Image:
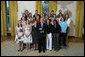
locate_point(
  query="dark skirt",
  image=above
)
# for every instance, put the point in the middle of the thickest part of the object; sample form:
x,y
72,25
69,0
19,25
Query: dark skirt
x,y
35,37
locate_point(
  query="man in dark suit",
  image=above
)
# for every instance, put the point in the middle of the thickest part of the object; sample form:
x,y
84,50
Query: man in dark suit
x,y
26,14
36,14
42,36
60,12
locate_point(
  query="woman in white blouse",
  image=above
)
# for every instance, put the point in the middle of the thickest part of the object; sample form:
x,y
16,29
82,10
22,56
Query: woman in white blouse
x,y
68,20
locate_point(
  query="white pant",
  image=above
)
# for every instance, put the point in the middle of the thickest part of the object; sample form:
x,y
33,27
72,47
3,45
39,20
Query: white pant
x,y
49,41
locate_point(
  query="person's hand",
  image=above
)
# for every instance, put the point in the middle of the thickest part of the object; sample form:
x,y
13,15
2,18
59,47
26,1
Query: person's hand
x,y
27,36
40,28
52,36
20,36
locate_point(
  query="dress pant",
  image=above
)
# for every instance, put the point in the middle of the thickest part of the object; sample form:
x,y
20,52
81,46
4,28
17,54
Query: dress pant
x,y
63,39
49,41
56,41
42,43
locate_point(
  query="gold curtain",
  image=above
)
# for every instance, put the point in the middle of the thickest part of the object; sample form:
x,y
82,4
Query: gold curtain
x,y
79,19
3,19
13,16
53,6
39,7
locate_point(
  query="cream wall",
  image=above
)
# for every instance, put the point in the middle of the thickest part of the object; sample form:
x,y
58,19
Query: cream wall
x,y
71,6
23,5
63,5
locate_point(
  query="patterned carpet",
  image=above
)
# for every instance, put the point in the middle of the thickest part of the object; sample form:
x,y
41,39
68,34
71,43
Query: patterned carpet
x,y
9,48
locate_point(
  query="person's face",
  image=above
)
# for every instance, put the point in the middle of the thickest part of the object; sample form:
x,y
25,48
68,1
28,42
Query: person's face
x,y
35,15
32,19
66,15
46,17
23,14
62,20
49,15
54,22
19,22
27,22
45,11
26,11
52,12
60,15
60,11
30,14
23,18
41,20
54,16
36,12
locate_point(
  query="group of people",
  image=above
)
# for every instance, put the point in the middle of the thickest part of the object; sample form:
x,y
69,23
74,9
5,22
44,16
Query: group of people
x,y
41,30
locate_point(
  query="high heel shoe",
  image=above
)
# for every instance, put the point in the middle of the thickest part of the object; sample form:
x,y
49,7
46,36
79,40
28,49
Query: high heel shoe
x,y
19,49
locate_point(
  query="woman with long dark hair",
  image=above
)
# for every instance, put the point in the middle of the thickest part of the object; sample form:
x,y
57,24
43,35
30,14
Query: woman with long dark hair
x,y
19,35
23,21
49,35
35,35
68,20
56,33
63,25
27,35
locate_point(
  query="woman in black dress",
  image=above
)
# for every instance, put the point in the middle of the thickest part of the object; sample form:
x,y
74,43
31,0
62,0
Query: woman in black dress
x,y
35,35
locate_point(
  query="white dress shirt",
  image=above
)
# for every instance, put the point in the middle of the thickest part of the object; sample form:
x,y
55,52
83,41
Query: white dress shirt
x,y
68,22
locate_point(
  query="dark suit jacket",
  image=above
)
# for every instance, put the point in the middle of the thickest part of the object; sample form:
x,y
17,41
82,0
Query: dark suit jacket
x,y
38,15
49,28
44,28
61,15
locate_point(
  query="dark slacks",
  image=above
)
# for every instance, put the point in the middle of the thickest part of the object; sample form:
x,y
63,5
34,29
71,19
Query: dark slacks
x,y
42,42
63,39
56,41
